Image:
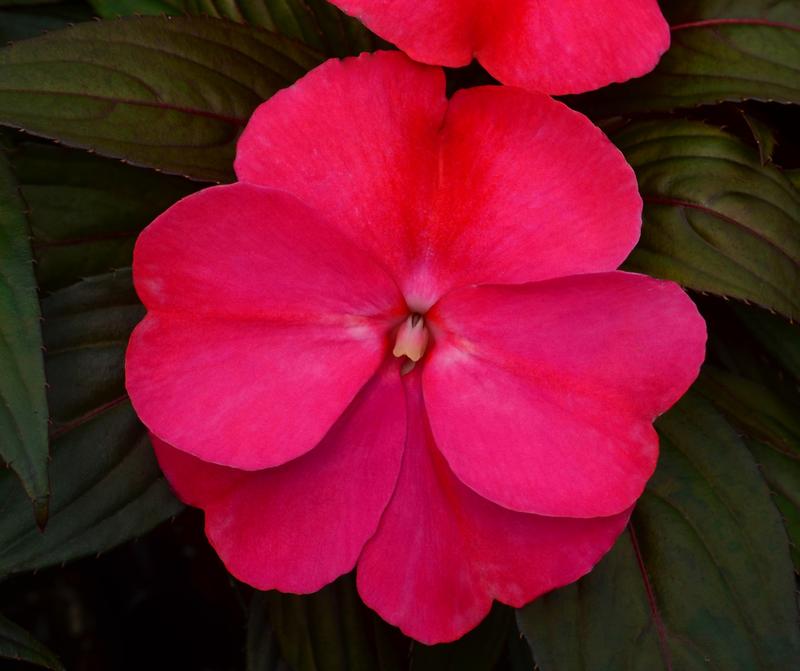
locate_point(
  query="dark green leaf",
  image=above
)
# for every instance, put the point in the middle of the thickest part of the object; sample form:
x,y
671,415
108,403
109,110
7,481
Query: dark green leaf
x,y
84,211
715,219
778,337
107,487
687,11
703,580
791,520
721,50
731,346
781,468
18,644
518,653
754,381
25,3
478,650
111,9
764,137
173,94
19,23
772,426
333,631
23,404
317,23
262,652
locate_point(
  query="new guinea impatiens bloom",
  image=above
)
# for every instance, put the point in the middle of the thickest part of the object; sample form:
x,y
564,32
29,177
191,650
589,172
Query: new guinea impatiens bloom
x,y
554,46
400,342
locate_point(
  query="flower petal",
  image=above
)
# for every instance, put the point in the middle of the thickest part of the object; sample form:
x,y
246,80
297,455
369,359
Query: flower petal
x,y
571,47
299,526
530,190
557,384
442,553
552,47
242,360
244,251
473,194
356,139
440,32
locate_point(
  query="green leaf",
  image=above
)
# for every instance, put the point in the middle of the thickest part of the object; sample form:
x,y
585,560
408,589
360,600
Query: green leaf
x,y
687,11
715,219
23,404
791,520
317,23
721,50
754,381
478,650
172,94
107,487
781,469
24,3
19,23
111,9
764,137
733,347
702,580
85,211
757,410
778,337
772,427
518,652
261,651
333,631
18,644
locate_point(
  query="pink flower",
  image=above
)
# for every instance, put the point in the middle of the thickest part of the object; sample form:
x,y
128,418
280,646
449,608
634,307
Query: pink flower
x,y
376,224
554,46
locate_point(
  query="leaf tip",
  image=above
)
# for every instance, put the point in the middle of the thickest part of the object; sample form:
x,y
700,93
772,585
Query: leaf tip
x,y
41,511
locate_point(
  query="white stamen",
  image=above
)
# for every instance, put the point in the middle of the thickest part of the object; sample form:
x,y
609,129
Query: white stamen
x,y
412,338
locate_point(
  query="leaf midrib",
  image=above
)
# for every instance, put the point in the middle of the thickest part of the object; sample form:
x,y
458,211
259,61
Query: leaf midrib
x,y
192,111
705,23
678,202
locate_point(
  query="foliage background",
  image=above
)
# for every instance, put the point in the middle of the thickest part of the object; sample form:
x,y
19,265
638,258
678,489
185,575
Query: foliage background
x,y
122,117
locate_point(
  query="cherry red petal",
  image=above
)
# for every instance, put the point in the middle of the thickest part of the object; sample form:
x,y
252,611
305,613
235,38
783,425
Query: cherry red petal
x,y
357,140
555,47
244,251
504,186
439,32
541,396
530,190
569,47
442,553
243,359
299,526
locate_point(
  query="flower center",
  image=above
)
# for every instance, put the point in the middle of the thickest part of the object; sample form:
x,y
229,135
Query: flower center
x,y
411,339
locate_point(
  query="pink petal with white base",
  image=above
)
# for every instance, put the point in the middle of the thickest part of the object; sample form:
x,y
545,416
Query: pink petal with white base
x,y
542,396
357,140
552,46
563,47
299,526
446,196
529,190
242,360
442,553
440,32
